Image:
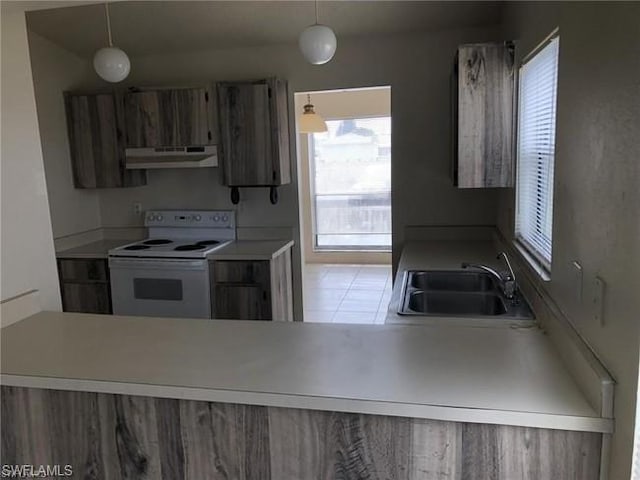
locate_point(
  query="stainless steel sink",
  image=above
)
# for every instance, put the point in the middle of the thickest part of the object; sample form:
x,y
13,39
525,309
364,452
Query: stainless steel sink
x,y
456,303
459,293
464,281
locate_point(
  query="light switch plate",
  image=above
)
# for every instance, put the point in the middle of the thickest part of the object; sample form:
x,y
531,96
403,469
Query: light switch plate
x,y
598,300
576,270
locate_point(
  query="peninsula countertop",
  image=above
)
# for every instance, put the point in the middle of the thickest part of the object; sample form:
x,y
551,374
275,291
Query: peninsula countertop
x,y
251,250
483,375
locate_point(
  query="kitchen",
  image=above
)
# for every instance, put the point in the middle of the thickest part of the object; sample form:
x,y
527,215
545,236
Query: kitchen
x,y
597,203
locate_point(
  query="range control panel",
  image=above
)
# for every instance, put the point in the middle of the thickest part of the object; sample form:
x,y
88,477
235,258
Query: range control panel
x,y
190,218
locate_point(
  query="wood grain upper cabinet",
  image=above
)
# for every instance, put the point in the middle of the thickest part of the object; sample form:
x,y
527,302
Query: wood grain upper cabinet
x,y
254,133
483,102
169,117
95,126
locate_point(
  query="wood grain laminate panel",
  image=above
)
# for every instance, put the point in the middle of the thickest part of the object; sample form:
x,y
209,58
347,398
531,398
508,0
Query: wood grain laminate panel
x,y
485,115
86,297
95,126
280,123
435,450
169,117
329,445
500,452
81,270
131,437
282,288
238,271
241,302
254,132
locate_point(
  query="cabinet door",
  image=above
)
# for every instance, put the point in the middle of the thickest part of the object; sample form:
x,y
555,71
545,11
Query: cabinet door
x,y
241,302
485,115
95,141
86,297
246,134
172,117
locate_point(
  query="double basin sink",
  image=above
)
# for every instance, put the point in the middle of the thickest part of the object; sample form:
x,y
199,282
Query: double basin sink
x,y
459,294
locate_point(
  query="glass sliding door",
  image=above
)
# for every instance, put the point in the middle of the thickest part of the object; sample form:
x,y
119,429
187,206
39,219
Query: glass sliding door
x,y
351,185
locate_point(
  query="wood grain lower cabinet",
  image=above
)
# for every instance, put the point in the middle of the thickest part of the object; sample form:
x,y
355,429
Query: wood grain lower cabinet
x,y
95,125
252,290
483,111
106,436
84,285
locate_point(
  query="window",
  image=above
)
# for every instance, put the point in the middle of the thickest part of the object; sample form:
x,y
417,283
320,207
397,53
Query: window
x,y
351,184
536,152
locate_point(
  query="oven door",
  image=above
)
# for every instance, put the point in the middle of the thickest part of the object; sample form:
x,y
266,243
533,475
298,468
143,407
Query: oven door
x,y
160,287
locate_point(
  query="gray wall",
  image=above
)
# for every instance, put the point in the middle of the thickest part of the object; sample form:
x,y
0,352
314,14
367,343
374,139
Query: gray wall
x,y
597,182
54,71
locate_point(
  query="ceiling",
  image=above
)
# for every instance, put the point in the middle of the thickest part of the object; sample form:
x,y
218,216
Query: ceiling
x,y
149,27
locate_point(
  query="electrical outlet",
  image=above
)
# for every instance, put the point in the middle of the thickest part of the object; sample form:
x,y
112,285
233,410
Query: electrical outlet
x,y
137,208
597,301
576,269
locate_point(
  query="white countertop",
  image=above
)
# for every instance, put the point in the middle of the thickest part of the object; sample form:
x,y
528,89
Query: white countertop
x,y
98,249
251,250
484,375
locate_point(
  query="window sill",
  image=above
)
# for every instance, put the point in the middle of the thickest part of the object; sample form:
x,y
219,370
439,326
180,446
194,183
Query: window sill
x,y
541,270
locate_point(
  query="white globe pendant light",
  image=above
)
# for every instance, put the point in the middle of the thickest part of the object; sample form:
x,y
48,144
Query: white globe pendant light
x,y
318,42
111,63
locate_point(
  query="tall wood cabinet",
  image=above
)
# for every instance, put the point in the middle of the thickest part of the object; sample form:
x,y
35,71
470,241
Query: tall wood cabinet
x,y
483,113
95,124
169,117
254,133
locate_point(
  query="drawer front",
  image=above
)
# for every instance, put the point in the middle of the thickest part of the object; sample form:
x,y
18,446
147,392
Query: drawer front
x,y
86,297
81,270
241,272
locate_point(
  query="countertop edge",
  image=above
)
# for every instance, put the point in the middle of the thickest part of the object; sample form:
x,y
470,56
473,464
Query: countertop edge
x,y
349,405
230,255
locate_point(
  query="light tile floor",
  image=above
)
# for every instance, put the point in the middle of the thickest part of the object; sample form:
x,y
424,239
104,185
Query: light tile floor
x,y
346,293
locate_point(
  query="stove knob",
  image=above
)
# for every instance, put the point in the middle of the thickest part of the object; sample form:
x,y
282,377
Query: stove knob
x,y
225,218
197,218
151,218
216,218
159,218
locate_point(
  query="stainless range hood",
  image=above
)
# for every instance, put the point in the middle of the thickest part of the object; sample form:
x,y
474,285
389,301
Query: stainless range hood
x,y
172,157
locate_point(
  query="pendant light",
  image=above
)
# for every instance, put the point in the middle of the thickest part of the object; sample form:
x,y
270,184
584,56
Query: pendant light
x,y
318,42
111,63
310,121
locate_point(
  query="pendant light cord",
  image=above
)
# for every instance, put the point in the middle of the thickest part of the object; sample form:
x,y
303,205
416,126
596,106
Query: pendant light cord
x,y
316,4
106,9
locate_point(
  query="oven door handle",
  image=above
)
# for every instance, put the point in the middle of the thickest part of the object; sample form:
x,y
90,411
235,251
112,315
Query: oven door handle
x,y
157,264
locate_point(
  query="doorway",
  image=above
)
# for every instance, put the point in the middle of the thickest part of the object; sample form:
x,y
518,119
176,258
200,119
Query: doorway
x,y
345,205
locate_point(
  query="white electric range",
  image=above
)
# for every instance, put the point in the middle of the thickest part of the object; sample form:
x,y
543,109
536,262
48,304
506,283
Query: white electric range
x,y
167,274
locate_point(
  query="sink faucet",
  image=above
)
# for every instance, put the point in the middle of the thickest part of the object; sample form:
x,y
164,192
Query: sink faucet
x,y
506,280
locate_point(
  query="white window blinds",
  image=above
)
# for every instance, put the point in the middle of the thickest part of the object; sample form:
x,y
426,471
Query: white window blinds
x,y
536,152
